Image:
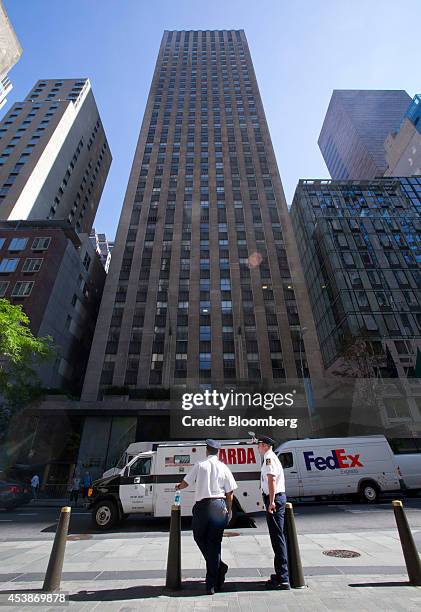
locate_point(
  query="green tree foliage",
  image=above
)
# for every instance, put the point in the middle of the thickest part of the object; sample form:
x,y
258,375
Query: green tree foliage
x,y
20,352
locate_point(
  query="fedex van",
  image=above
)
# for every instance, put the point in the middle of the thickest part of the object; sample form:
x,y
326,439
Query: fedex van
x,y
143,483
363,466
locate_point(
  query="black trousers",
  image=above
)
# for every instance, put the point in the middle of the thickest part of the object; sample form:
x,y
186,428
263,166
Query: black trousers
x,y
275,523
210,517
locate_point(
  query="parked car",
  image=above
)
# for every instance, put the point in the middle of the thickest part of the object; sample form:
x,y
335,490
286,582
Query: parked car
x,y
14,494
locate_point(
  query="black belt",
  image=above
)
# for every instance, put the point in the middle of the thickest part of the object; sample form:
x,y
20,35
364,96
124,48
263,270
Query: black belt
x,y
208,499
267,494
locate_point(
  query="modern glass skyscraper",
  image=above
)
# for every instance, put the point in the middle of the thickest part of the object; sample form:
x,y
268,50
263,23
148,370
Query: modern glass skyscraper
x,y
357,122
361,257
205,282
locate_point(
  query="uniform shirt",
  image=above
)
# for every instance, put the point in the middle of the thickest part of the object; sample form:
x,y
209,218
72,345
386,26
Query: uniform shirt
x,y
272,465
212,477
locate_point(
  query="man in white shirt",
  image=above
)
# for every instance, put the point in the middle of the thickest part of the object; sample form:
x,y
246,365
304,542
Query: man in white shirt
x,y
273,491
213,496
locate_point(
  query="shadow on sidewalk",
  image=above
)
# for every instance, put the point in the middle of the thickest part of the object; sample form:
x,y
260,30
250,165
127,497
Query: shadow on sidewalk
x,y
191,588
380,584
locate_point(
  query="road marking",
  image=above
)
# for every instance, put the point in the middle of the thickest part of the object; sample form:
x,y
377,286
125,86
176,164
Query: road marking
x,y
28,514
5,520
73,513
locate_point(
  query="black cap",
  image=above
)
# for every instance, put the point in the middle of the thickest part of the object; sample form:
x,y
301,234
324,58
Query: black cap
x,y
266,440
213,444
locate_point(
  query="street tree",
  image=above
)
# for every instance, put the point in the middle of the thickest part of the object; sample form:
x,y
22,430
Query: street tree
x,y
20,353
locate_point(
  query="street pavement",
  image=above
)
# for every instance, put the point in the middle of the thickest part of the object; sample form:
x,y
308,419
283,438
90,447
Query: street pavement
x,y
125,570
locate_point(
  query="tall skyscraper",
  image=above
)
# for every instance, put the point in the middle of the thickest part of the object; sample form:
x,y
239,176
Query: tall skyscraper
x,y
403,148
354,130
205,282
54,155
361,255
10,52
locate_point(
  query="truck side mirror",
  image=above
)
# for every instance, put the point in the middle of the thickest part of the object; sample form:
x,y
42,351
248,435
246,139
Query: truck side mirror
x,y
126,471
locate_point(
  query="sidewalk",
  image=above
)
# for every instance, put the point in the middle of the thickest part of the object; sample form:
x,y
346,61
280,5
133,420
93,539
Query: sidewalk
x,y
126,572
46,502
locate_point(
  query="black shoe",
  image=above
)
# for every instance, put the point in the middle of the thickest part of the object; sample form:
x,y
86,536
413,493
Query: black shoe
x,y
210,591
223,568
273,585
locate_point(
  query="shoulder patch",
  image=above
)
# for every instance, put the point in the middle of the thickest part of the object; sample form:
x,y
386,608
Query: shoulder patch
x,y
268,461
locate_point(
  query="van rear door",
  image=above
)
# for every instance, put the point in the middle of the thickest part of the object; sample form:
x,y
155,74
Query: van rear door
x,y
293,483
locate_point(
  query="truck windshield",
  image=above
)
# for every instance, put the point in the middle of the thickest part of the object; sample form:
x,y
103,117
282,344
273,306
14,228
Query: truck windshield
x,y
122,461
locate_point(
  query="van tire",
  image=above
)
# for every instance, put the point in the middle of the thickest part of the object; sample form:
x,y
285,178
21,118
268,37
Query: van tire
x,y
105,514
369,492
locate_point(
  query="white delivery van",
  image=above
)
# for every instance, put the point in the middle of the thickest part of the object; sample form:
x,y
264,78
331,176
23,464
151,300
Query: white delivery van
x,y
145,485
363,466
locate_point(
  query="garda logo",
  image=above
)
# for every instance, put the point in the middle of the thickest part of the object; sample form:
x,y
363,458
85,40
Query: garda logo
x,y
237,455
337,460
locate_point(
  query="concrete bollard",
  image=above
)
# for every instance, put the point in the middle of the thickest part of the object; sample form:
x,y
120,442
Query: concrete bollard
x,y
295,568
55,564
173,580
410,553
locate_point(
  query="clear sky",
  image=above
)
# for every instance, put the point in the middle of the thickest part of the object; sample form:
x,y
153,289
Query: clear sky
x,y
301,49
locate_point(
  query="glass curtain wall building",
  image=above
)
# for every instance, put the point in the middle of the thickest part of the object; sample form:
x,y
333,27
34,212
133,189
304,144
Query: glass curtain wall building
x,y
361,255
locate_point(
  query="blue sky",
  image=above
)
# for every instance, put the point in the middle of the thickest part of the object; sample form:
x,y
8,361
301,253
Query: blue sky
x,y
301,52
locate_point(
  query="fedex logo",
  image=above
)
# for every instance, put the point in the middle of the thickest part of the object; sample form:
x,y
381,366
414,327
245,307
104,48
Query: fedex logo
x,y
338,459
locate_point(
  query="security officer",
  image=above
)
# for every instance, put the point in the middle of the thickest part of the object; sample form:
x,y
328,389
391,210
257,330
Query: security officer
x,y
214,492
273,490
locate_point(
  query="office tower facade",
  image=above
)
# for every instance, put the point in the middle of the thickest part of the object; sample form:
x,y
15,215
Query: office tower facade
x,y
205,282
354,130
10,52
57,277
361,255
403,148
54,155
102,246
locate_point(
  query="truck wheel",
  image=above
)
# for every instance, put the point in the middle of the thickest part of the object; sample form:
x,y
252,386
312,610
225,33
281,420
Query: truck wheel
x,y
105,515
369,492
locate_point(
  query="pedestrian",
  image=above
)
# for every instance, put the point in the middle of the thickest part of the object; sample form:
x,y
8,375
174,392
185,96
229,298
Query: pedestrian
x,y
87,483
273,491
74,492
211,512
35,485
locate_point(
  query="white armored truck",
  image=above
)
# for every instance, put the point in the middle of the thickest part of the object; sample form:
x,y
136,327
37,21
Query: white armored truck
x,y
144,480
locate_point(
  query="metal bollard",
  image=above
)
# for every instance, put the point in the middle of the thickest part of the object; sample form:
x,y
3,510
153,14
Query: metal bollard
x,y
55,564
295,569
173,580
412,558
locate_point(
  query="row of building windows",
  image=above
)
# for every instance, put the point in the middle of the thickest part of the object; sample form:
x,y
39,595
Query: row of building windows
x,y
8,265
20,289
19,244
